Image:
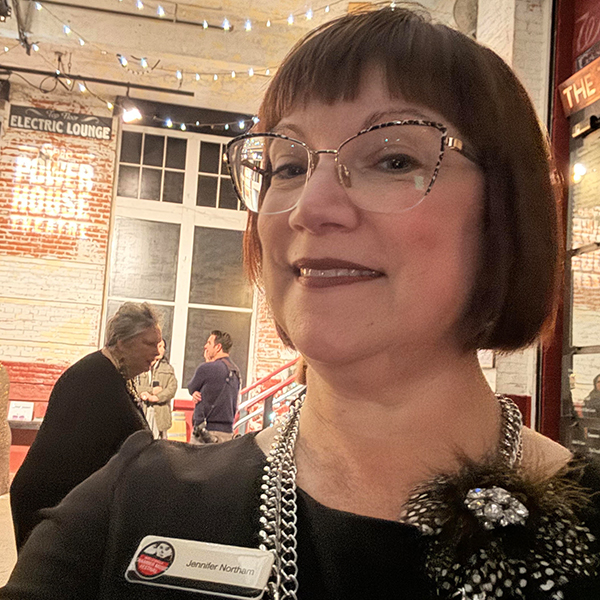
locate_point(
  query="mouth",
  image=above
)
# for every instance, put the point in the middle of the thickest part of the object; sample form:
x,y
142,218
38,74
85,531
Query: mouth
x,y
327,272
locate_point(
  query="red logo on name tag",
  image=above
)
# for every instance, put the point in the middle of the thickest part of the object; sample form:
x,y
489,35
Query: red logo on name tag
x,y
155,559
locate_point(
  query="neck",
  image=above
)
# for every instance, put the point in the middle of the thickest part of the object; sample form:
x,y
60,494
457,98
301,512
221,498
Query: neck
x,y
219,355
377,430
114,359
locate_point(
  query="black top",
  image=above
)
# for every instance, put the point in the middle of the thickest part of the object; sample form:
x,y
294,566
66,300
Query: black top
x,y
211,493
90,414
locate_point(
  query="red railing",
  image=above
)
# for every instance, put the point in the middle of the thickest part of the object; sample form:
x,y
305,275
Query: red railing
x,y
269,376
250,416
247,418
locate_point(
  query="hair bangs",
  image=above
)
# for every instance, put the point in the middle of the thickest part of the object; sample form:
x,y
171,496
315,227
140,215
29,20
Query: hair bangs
x,y
416,58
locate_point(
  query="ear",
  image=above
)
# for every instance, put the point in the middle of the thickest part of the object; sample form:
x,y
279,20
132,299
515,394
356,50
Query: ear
x,y
218,347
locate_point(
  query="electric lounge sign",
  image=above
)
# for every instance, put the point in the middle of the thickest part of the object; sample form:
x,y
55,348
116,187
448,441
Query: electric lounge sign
x,y
52,189
61,122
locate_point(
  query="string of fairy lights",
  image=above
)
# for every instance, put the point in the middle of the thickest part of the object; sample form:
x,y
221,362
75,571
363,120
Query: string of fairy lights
x,y
143,65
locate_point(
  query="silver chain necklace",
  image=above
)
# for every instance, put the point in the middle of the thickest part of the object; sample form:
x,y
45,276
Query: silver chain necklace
x,y
278,507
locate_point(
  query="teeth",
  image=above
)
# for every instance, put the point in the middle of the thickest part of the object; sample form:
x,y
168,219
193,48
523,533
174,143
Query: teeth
x,y
337,273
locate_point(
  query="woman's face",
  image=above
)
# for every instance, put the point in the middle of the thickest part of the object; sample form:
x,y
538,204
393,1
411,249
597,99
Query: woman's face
x,y
140,351
425,258
161,349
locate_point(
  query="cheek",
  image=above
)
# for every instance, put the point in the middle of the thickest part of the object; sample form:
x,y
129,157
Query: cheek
x,y
440,245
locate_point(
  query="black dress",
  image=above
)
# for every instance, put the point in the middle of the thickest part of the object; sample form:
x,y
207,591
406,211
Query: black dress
x,y
211,493
90,414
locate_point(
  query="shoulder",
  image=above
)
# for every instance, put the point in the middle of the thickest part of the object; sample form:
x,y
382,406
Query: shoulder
x,y
94,362
543,456
169,465
165,367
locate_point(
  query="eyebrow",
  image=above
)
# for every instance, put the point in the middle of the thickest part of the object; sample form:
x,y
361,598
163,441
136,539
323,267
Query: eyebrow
x,y
373,119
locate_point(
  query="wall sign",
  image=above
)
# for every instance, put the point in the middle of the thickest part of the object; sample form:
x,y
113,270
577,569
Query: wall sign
x,y
587,27
582,89
52,190
65,123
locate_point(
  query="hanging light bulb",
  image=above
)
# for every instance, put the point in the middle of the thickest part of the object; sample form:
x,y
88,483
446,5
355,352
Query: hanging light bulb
x,y
226,25
215,77
66,29
38,6
309,14
579,172
248,25
205,24
197,76
69,82
82,88
122,60
169,123
182,127
110,105
242,124
255,120
160,11
226,126
139,4
81,42
34,47
268,72
250,72
269,23
232,74
143,63
290,19
327,8
197,123
179,75
6,48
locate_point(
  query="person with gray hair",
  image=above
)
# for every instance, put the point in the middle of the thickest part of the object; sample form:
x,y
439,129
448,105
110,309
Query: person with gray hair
x,y
93,409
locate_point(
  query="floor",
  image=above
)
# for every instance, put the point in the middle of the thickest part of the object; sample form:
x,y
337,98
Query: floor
x,y
8,551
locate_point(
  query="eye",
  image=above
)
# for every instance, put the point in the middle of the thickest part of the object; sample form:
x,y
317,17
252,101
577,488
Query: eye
x,y
289,170
398,163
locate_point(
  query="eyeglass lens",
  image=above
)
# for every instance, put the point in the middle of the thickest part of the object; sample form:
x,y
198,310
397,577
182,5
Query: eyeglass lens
x,y
384,170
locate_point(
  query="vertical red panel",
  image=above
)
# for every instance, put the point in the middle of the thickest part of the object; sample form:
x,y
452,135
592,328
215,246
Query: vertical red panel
x,y
551,358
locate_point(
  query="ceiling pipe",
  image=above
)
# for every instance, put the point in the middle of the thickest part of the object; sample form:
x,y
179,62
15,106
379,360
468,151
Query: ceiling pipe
x,y
122,84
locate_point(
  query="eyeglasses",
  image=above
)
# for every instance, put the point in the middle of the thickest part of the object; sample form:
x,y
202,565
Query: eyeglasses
x,y
386,168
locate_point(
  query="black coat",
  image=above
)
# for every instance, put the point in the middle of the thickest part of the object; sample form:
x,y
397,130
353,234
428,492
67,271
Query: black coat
x,y
212,493
90,414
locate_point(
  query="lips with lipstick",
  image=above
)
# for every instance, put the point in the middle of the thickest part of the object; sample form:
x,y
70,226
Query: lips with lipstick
x,y
328,272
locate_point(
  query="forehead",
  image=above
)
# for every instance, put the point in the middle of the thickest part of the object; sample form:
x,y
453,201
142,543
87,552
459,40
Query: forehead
x,y
372,105
152,334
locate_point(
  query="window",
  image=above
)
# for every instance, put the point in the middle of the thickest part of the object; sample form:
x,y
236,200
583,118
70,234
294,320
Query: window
x,y
580,414
214,183
178,245
152,167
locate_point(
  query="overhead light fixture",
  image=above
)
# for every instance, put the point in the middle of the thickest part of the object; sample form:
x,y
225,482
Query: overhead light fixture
x,y
131,112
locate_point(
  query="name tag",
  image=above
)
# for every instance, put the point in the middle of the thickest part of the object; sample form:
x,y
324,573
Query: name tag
x,y
227,571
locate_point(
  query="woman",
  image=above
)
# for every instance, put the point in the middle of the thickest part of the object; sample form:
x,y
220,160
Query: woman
x,y
156,388
591,403
429,233
93,408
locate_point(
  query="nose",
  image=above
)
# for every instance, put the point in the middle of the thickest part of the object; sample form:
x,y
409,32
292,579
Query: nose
x,y
324,205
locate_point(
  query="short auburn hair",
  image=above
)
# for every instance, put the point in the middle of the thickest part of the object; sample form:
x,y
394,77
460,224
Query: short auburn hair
x,y
515,289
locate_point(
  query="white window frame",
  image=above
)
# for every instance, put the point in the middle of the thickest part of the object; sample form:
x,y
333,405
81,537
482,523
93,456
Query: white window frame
x,y
188,216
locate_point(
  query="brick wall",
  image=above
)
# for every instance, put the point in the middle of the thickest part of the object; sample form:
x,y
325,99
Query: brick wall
x,y
269,352
55,206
